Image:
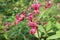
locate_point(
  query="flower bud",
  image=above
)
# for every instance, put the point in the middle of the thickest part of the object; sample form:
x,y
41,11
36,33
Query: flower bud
x,y
33,30
30,16
35,6
32,24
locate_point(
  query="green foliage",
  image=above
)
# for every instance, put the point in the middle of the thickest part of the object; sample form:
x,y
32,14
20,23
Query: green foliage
x,y
8,10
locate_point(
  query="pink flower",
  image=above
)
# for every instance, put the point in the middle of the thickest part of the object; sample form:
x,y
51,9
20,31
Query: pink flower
x,y
35,6
33,30
16,22
32,24
21,19
36,12
30,17
48,5
17,16
23,14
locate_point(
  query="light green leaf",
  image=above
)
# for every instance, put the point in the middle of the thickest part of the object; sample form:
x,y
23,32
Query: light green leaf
x,y
48,27
41,28
36,34
58,25
58,32
6,36
54,36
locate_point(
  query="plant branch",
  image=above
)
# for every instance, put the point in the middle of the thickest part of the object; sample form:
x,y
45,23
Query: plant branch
x,y
38,34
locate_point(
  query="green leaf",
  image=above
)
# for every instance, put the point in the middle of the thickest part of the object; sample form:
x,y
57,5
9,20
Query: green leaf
x,y
58,32
58,25
54,36
36,34
40,28
48,27
6,36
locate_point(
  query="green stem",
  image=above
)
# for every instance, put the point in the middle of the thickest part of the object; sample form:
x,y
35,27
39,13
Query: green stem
x,y
46,35
38,34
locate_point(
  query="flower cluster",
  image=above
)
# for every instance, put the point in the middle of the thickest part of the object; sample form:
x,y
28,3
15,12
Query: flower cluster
x,y
32,20
19,18
48,5
33,26
31,17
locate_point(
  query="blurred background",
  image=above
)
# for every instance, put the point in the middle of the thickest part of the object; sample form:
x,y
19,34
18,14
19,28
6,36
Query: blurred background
x,y
8,10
